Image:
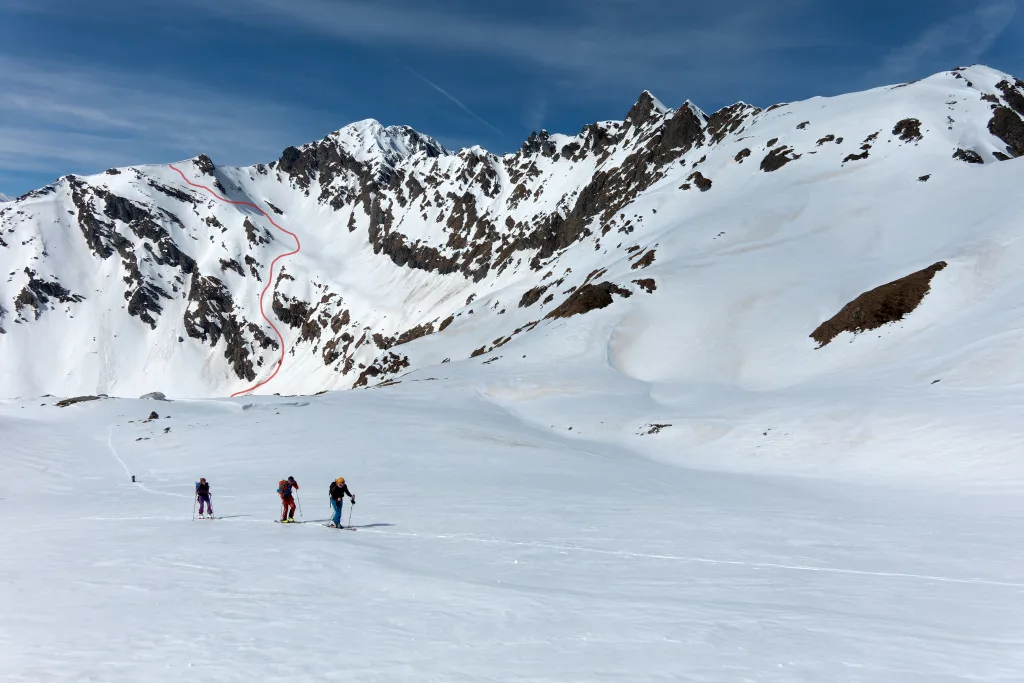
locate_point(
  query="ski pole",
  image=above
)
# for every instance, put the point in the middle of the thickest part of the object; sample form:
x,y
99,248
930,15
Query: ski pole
x,y
195,501
351,505
299,501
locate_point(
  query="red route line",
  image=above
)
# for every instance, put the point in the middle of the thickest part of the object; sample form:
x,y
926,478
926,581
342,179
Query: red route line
x,y
270,279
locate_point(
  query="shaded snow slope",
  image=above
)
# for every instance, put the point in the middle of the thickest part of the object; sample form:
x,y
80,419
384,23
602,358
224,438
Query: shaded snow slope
x,y
490,547
712,245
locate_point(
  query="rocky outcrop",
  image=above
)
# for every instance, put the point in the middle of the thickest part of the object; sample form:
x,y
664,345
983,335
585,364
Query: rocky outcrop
x,y
880,306
588,298
210,316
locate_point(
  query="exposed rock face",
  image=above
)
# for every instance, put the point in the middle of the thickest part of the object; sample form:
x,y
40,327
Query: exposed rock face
x,y
406,217
777,158
38,294
908,130
588,298
1009,128
882,305
211,316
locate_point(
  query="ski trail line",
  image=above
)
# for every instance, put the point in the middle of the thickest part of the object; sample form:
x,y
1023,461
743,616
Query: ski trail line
x,y
270,277
703,560
128,473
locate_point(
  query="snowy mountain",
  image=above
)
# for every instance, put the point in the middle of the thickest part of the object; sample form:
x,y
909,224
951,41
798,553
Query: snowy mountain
x,y
723,248
683,397
5,198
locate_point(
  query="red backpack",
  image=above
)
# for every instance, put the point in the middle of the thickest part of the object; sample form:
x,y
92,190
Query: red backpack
x,y
284,488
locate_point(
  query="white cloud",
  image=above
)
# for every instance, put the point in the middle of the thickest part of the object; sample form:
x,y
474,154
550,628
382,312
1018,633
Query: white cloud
x,y
82,120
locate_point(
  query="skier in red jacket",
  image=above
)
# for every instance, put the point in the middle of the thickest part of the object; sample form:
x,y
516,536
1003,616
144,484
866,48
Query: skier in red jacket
x,y
284,487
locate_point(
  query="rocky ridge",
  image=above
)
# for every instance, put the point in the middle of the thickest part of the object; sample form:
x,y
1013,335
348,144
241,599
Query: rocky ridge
x,y
401,236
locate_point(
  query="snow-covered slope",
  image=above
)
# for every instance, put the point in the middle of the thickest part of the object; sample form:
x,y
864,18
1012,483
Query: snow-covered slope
x,y
488,549
727,397
5,198
717,245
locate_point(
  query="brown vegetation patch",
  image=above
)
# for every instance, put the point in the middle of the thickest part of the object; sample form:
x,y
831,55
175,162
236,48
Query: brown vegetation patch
x,y
880,306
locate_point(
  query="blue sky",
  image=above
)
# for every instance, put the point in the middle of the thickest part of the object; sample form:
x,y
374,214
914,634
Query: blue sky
x,y
89,85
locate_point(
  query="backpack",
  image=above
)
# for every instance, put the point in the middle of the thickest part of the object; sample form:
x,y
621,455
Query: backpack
x,y
284,488
202,489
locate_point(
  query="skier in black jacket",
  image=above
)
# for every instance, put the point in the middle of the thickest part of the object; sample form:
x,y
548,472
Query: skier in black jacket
x,y
338,491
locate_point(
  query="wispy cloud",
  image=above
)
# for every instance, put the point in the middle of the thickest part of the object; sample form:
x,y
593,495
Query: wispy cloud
x,y
597,43
963,38
450,97
83,120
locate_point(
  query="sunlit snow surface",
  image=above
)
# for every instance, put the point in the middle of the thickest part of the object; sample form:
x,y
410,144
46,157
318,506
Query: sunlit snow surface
x,y
496,544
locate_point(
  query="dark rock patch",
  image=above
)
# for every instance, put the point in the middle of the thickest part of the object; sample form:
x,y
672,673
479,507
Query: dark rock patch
x,y
205,165
886,304
387,365
231,264
827,138
857,157
414,333
803,125
171,192
1009,128
644,261
210,315
1013,95
532,296
778,158
924,178
742,154
445,323
38,293
588,298
702,183
968,156
646,284
908,130
77,399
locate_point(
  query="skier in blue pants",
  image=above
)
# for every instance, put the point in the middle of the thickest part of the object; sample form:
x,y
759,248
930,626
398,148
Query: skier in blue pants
x,y
338,491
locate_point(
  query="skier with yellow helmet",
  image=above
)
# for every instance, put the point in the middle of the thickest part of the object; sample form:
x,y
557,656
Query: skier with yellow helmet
x,y
338,491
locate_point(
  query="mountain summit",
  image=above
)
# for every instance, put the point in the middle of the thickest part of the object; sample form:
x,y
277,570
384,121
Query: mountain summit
x,y
729,249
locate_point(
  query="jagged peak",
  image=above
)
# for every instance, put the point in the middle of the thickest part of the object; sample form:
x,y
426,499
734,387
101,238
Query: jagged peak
x,y
647,108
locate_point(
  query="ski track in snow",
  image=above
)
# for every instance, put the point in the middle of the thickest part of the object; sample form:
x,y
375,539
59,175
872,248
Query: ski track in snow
x,y
270,277
599,551
128,473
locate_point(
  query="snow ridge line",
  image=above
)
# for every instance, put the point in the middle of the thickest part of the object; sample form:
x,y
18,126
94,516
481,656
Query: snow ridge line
x,y
270,278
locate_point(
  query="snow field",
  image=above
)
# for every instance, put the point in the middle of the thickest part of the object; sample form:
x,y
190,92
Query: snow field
x,y
491,547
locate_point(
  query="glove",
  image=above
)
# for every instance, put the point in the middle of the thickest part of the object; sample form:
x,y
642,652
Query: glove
x,y
353,501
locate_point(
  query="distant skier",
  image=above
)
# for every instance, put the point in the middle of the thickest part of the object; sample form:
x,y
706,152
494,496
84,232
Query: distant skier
x,y
338,491
284,487
133,478
203,496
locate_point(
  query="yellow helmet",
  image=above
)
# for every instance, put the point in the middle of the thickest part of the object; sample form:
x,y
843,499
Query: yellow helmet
x,y
339,481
